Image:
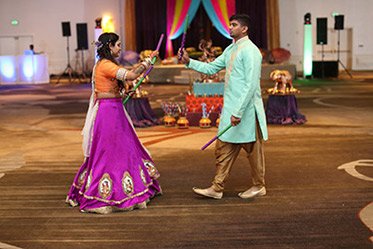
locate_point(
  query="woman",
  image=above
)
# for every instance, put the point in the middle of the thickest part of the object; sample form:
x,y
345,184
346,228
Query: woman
x,y
118,173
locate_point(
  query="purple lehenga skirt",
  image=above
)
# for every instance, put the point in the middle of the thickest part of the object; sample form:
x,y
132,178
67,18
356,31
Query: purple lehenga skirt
x,y
119,174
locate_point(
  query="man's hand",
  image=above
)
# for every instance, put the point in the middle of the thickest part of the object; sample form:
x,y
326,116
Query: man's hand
x,y
185,58
235,121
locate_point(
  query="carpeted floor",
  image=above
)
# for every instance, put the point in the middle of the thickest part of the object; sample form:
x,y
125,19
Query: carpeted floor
x,y
310,202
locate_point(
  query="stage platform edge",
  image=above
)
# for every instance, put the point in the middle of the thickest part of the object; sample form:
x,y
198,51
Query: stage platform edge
x,y
178,74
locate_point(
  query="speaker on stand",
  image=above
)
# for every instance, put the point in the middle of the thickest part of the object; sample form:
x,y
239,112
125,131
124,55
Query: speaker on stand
x,y
338,25
66,32
82,41
322,39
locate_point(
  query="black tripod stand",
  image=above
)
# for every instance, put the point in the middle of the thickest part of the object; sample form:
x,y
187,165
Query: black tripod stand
x,y
83,75
322,61
83,69
68,70
339,61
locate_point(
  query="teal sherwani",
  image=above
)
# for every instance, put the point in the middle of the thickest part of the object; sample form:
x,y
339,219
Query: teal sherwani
x,y
242,95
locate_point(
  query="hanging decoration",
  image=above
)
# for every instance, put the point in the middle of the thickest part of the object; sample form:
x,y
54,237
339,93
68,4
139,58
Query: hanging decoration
x,y
177,10
218,11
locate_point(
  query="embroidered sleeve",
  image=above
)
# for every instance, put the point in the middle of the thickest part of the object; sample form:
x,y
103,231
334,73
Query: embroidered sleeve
x,y
121,74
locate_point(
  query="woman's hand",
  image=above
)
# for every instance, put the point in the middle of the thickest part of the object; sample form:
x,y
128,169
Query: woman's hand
x,y
155,53
138,70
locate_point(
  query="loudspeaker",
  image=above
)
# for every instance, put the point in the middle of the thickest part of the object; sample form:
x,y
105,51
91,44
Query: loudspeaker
x,y
330,69
66,29
307,18
82,36
338,22
322,31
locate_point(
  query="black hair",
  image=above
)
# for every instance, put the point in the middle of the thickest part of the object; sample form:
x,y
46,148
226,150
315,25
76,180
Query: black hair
x,y
243,19
104,52
103,49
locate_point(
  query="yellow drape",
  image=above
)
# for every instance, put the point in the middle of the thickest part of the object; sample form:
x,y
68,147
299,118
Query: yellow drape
x,y
273,24
130,25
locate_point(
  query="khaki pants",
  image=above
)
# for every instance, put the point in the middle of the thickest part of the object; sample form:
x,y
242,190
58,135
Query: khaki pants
x,y
226,154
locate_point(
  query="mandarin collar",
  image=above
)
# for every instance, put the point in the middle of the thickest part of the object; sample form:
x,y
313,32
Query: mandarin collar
x,y
243,39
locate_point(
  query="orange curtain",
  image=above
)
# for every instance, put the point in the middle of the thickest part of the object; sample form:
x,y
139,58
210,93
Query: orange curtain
x,y
273,24
130,25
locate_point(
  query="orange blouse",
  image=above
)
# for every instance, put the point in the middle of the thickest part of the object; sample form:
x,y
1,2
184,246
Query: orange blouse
x,y
107,75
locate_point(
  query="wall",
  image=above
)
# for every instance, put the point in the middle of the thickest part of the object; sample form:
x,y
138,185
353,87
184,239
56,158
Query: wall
x,y
42,19
356,40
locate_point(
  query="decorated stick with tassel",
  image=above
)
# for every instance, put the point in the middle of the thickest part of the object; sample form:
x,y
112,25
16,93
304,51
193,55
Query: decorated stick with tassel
x,y
216,137
183,39
147,72
211,109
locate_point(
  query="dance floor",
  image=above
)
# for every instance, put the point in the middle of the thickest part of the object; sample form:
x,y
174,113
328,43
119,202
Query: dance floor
x,y
319,175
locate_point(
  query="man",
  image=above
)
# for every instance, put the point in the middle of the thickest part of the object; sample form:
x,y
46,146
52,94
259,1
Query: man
x,y
243,108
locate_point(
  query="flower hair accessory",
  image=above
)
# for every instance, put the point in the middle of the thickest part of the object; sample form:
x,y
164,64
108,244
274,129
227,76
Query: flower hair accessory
x,y
97,44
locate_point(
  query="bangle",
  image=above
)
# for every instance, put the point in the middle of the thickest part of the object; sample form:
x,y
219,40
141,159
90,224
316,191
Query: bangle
x,y
148,60
145,64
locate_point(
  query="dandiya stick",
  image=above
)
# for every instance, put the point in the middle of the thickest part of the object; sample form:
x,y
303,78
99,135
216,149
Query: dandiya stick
x,y
160,42
221,133
212,108
184,35
147,72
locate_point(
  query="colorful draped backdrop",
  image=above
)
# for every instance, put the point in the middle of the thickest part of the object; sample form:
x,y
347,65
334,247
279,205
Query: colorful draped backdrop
x,y
218,11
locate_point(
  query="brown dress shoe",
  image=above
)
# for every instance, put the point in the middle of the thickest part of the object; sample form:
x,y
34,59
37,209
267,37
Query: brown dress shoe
x,y
208,192
253,192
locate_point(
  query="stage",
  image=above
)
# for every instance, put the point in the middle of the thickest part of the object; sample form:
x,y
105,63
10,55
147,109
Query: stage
x,y
178,74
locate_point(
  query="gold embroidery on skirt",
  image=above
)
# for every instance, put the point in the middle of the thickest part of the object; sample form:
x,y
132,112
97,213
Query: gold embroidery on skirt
x,y
142,175
152,170
105,186
127,183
